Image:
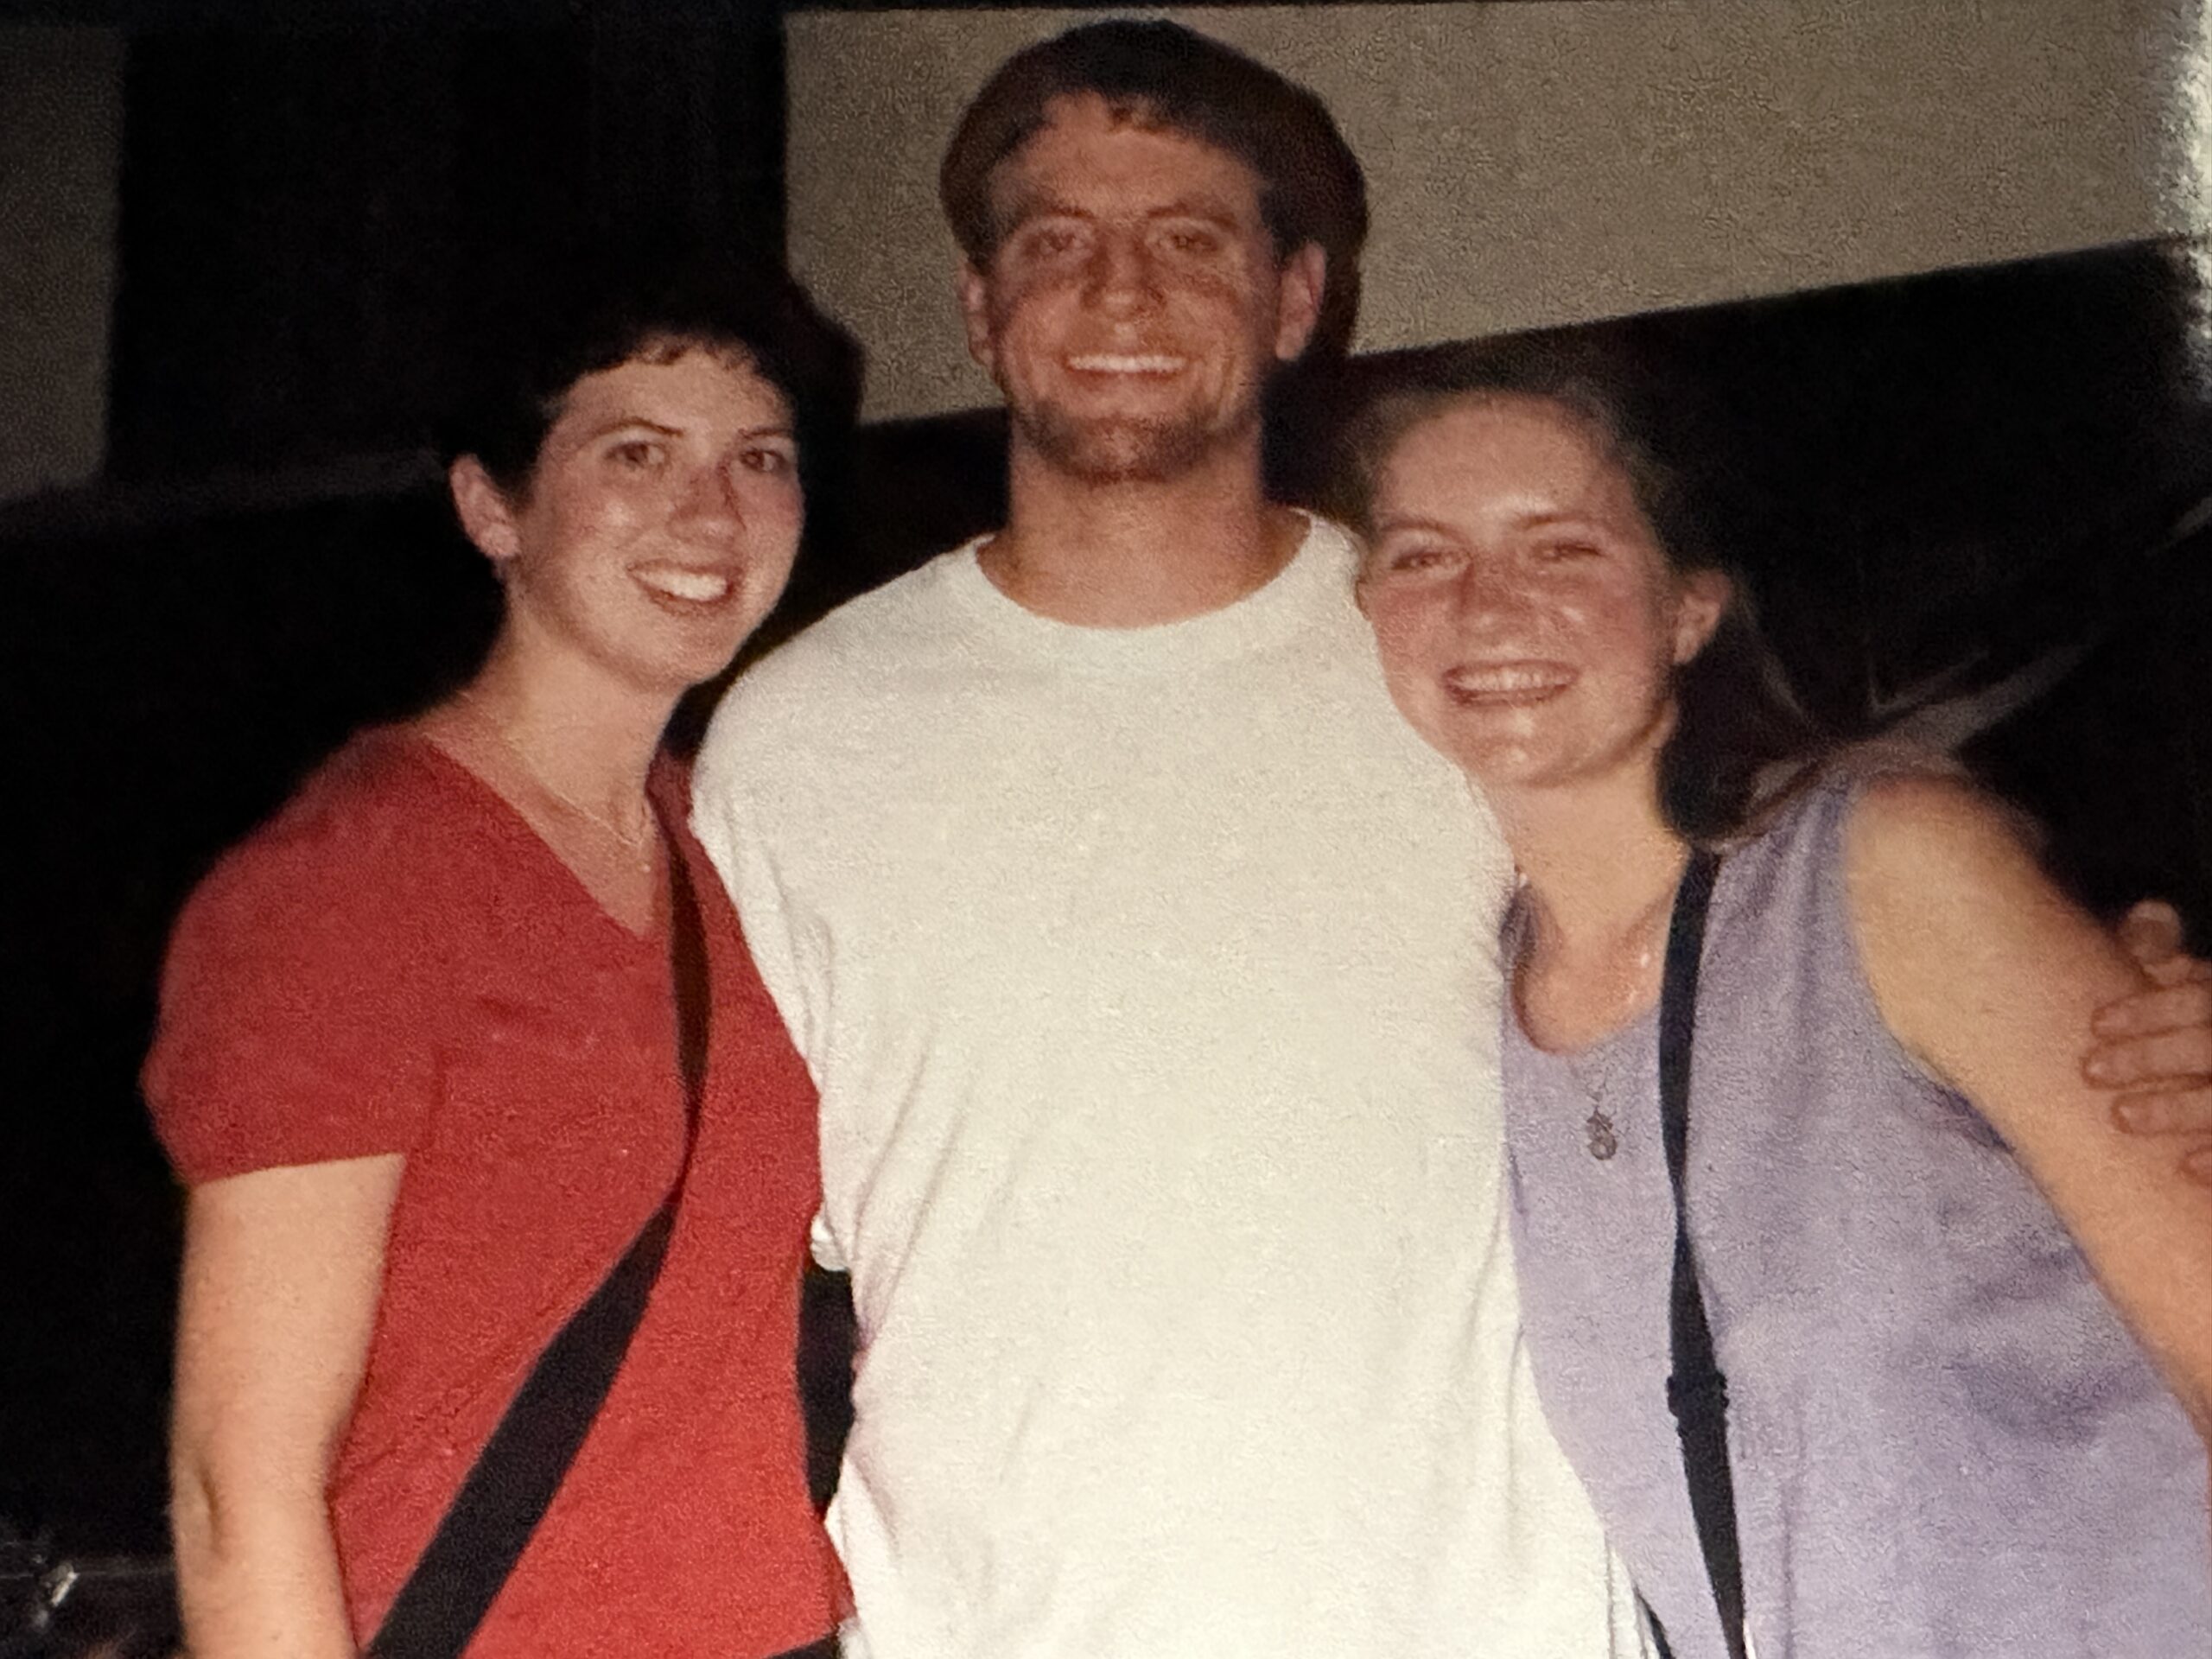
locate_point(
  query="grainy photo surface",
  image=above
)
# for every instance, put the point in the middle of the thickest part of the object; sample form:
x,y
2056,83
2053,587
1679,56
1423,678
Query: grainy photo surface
x,y
1268,537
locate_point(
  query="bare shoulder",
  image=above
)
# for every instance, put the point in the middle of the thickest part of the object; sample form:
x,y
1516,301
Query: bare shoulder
x,y
1915,838
1943,807
1964,937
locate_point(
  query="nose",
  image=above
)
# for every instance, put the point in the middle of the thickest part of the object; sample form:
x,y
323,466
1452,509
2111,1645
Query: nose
x,y
711,502
1486,595
1120,276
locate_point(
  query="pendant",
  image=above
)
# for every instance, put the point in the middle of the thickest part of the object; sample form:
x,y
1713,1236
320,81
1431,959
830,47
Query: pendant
x,y
1604,1143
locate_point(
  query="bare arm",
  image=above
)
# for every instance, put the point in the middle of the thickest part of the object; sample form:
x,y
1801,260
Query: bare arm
x,y
281,1273
1988,974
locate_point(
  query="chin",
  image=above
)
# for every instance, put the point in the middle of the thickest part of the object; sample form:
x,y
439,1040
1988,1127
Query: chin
x,y
1126,450
1494,771
695,668
1496,760
670,671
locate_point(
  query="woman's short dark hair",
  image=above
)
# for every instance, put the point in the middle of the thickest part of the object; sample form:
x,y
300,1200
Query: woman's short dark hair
x,y
1162,74
608,305
1740,738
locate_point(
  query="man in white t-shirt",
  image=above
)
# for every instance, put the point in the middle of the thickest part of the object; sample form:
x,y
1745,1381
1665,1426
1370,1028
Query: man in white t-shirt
x,y
1146,965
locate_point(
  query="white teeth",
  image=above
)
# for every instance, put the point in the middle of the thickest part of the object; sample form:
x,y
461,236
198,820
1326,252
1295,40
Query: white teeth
x,y
702,586
1126,363
1505,678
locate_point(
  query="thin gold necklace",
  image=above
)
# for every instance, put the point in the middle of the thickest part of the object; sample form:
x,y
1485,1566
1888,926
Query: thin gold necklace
x,y
638,845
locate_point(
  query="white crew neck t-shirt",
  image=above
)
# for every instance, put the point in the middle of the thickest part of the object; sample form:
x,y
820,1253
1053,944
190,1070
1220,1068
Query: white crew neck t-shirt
x,y
1150,977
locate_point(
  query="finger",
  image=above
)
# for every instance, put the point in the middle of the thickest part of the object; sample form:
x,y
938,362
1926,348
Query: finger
x,y
2171,1009
2170,1112
2151,931
2163,1060
2197,1165
2177,970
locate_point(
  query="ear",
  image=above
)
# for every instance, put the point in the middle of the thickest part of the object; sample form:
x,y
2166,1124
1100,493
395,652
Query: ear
x,y
486,514
976,312
1360,575
1701,599
1304,277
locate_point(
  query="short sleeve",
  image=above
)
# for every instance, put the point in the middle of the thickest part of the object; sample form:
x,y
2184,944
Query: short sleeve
x,y
299,1007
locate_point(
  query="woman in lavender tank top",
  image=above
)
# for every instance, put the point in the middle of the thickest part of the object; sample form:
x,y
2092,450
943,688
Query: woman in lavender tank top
x,y
1966,1324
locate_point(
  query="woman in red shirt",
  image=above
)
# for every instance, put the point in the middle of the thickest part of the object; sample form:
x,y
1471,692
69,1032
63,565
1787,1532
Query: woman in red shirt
x,y
417,1058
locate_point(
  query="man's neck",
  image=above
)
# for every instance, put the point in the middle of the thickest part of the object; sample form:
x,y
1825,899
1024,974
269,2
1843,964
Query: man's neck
x,y
1138,553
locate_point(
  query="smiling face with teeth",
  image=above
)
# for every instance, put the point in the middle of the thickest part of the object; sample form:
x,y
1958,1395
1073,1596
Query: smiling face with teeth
x,y
1135,301
1529,621
658,524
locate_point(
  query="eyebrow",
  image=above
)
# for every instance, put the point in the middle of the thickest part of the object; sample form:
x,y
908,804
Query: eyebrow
x,y
1412,521
1417,522
1210,213
773,430
1034,207
618,422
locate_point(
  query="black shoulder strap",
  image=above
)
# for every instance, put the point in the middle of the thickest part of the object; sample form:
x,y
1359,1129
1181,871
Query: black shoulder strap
x,y
1697,1392
511,1485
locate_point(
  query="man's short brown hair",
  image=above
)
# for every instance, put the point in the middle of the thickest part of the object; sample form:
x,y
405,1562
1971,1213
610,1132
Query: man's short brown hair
x,y
1162,74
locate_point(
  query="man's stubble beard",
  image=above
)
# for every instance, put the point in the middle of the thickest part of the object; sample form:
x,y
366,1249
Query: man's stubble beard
x,y
1112,449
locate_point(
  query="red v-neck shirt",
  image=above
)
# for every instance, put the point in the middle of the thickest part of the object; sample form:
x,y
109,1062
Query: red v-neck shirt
x,y
397,963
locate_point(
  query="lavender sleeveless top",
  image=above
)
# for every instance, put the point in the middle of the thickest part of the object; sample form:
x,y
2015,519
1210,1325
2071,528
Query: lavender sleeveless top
x,y
1944,1441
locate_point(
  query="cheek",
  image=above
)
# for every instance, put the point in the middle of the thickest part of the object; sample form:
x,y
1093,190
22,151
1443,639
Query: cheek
x,y
775,513
1630,646
1023,313
1238,308
562,539
1404,630
1415,643
1622,625
582,516
785,518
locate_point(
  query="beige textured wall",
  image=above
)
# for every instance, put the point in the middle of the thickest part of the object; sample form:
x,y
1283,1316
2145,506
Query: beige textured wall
x,y
1560,160
60,129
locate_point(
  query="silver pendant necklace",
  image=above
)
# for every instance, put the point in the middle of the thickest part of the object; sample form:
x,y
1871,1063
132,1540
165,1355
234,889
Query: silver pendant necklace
x,y
1600,1134
1638,944
1600,1137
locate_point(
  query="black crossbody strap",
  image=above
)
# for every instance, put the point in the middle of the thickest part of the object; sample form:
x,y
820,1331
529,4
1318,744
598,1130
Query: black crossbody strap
x,y
512,1484
1697,1391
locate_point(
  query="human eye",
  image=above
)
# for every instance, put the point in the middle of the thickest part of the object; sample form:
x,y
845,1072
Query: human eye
x,y
1415,558
637,455
770,460
1190,239
1566,549
1049,240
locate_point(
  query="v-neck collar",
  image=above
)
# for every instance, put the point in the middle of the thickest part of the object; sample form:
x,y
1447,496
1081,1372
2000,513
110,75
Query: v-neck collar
x,y
519,828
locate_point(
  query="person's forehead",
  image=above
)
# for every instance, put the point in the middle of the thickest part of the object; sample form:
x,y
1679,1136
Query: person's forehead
x,y
1478,446
1089,147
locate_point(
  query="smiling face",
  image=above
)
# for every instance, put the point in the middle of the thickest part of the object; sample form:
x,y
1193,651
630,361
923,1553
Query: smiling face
x,y
1526,617
659,522
1135,302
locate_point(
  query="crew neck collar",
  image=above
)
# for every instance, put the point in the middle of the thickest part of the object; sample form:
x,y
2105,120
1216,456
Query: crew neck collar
x,y
1270,612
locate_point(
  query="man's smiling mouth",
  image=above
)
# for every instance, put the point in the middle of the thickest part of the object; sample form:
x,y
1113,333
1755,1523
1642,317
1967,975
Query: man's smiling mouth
x,y
1136,363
